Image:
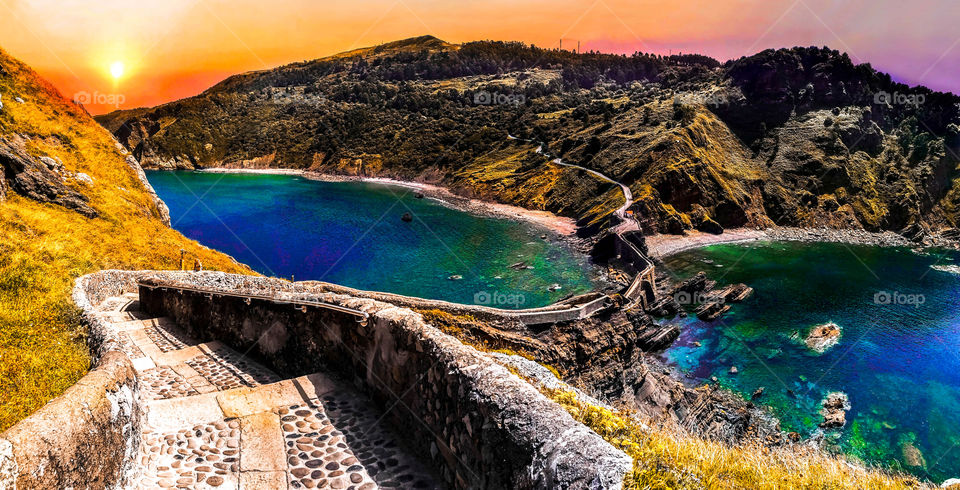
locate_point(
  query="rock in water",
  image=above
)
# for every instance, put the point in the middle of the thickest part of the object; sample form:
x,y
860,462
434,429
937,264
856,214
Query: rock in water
x,y
407,217
758,393
951,483
834,411
823,337
418,195
518,266
912,456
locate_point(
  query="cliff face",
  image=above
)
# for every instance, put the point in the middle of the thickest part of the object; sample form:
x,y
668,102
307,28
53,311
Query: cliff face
x,y
72,200
798,136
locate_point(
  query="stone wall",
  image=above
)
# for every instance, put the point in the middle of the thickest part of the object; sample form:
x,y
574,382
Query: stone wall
x,y
479,424
87,437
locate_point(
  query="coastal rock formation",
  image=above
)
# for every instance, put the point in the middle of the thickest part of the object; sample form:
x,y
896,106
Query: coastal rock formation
x,y
823,337
834,411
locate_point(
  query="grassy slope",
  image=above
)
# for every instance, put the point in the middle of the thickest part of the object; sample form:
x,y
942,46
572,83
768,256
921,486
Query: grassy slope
x,y
665,457
44,247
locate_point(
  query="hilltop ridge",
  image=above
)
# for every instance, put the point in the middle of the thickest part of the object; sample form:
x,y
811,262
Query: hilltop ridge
x,y
793,137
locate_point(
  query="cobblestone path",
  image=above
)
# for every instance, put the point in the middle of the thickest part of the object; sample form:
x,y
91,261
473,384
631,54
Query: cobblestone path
x,y
218,419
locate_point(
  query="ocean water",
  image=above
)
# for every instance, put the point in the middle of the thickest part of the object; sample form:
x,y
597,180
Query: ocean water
x,y
898,357
351,233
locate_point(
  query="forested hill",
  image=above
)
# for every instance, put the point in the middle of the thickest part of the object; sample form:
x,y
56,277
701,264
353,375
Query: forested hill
x,y
798,136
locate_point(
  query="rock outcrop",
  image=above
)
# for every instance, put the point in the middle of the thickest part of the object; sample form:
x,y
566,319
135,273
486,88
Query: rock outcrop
x,y
33,178
834,411
823,337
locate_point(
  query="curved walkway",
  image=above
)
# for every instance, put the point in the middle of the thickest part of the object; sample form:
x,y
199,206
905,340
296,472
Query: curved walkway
x,y
216,419
621,212
634,292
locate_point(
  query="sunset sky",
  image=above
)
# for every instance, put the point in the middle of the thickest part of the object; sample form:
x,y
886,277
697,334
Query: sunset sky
x,y
165,50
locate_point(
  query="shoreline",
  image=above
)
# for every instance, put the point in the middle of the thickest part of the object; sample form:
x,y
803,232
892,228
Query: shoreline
x,y
564,227
662,246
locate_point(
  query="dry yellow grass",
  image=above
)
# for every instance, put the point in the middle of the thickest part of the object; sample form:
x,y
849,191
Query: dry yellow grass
x,y
44,247
666,457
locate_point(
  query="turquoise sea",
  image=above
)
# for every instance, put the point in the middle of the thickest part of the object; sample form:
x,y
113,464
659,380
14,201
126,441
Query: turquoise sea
x,y
351,233
898,357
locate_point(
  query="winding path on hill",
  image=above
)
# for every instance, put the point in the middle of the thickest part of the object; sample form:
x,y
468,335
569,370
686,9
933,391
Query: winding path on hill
x,y
626,224
643,286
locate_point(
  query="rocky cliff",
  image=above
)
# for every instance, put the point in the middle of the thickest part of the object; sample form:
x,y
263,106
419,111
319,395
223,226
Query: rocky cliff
x,y
72,200
799,137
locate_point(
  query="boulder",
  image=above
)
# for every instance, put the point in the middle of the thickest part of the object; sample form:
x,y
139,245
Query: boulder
x,y
31,178
823,337
951,483
708,225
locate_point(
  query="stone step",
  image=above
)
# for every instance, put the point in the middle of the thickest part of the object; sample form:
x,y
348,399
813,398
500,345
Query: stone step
x,y
120,303
217,419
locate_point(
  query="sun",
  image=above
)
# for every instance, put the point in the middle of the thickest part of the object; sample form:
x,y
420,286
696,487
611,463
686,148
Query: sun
x,y
116,70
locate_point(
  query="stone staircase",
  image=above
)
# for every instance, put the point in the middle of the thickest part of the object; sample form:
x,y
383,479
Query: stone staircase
x,y
217,419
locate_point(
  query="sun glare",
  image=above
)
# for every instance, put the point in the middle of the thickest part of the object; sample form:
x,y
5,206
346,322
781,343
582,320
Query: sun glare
x,y
116,70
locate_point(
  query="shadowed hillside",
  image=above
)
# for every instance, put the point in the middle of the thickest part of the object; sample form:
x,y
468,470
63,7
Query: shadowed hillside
x,y
71,202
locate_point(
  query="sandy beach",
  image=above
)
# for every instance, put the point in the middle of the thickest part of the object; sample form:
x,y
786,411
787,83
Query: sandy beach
x,y
544,219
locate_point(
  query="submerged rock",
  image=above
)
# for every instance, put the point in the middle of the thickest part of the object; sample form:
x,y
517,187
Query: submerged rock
x,y
823,337
407,217
518,265
912,456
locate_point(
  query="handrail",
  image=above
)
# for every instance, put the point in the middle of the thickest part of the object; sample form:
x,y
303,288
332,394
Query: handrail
x,y
249,296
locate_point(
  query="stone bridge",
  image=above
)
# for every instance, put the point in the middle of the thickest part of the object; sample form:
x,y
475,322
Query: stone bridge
x,y
210,380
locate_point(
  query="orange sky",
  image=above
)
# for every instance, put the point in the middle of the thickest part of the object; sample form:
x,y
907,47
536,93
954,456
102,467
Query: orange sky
x,y
176,48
